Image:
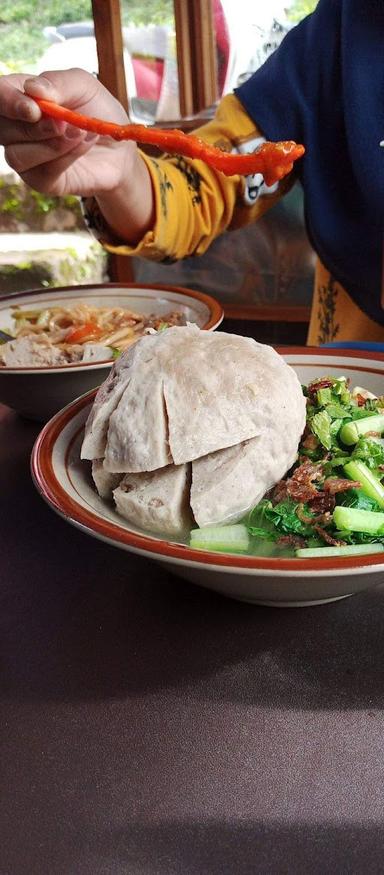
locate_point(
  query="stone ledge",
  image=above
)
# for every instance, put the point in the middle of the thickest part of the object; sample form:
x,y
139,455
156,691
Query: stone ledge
x,y
29,261
22,209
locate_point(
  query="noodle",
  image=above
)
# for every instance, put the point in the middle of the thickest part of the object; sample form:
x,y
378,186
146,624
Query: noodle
x,y
74,331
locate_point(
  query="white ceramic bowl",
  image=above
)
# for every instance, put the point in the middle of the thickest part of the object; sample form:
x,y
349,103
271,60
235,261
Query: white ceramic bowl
x,y
64,482
39,392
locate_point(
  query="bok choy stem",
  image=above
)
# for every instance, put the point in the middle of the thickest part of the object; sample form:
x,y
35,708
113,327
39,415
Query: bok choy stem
x,y
230,539
351,431
347,550
371,485
352,519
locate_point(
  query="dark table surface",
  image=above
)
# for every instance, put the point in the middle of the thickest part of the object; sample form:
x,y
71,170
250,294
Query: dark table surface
x,y
154,728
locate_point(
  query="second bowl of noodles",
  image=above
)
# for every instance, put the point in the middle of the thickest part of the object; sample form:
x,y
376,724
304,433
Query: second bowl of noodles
x,y
57,344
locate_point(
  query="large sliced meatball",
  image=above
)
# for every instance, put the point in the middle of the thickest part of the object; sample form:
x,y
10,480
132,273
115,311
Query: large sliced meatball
x,y
226,403
157,500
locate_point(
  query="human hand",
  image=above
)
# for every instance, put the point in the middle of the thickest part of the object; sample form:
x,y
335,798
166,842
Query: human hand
x,y
53,157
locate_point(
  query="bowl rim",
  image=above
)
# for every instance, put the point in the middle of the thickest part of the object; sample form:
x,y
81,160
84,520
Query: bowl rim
x,y
215,318
55,495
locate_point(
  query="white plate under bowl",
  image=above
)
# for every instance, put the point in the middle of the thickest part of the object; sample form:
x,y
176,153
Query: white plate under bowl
x,y
39,392
64,482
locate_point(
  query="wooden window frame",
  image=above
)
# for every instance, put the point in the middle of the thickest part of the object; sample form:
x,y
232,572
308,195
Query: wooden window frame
x,y
197,68
110,49
196,55
195,47
196,59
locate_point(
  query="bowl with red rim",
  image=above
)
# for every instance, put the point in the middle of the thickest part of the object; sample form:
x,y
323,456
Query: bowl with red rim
x,y
64,481
39,392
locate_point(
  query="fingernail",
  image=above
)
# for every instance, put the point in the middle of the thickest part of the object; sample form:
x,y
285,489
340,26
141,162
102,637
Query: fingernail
x,y
48,126
72,133
39,86
26,110
37,80
90,136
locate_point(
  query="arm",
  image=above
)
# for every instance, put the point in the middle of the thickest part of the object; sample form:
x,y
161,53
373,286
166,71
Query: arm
x,y
161,208
193,204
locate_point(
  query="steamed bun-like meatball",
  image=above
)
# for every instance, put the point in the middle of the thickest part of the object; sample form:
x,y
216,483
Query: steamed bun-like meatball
x,y
227,405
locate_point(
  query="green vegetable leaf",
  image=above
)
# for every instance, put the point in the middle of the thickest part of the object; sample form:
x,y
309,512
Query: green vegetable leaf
x,y
369,451
268,521
364,412
284,517
115,352
337,411
258,523
324,396
321,426
357,498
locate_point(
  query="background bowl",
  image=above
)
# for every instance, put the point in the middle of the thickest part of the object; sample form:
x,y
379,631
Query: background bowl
x,y
65,483
39,392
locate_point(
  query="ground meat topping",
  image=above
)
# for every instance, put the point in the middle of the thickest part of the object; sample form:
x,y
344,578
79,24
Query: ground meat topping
x,y
324,383
279,492
323,503
291,541
301,486
328,538
339,484
310,442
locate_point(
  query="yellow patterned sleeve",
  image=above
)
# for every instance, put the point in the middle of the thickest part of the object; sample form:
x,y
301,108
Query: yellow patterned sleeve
x,y
194,203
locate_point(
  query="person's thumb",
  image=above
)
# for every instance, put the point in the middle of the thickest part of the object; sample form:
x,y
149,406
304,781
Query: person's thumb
x,y
71,88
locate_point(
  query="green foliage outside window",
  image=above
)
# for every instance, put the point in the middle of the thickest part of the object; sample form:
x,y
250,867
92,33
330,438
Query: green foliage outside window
x,y
22,21
300,8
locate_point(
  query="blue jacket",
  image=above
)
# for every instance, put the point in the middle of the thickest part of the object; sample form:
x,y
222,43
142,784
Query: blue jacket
x,y
324,87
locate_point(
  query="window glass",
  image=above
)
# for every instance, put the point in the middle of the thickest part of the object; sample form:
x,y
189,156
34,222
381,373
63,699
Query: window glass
x,y
151,65
247,33
36,35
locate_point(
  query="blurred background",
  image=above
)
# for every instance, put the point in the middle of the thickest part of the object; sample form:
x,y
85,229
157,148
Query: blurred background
x,y
263,273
